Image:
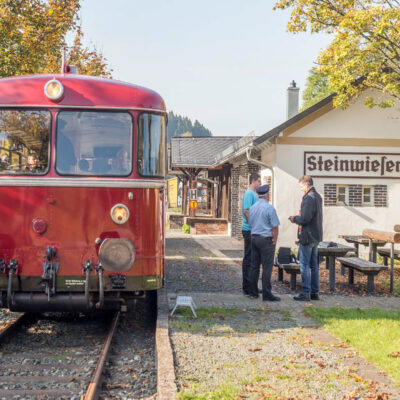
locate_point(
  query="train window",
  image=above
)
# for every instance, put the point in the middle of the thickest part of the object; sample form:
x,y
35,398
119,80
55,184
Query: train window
x,y
151,145
94,143
24,141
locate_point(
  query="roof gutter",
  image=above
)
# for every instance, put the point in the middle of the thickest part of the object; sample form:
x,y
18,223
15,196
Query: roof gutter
x,y
252,160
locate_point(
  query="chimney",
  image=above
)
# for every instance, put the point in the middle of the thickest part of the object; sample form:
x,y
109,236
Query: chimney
x,y
292,100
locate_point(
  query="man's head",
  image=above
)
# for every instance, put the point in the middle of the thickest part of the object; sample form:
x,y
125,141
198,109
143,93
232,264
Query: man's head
x,y
255,181
263,192
33,160
306,183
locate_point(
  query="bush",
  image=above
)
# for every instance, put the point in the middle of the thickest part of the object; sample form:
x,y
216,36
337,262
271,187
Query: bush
x,y
185,228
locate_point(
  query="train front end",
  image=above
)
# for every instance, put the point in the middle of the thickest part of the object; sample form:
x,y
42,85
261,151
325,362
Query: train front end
x,y
82,178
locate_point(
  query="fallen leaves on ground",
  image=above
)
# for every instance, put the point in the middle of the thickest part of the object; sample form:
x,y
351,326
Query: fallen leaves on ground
x,y
394,354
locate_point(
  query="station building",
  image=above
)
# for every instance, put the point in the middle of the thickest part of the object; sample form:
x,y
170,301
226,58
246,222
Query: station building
x,y
352,154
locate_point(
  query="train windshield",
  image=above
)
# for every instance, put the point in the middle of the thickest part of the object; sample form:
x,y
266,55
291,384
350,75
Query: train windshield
x,y
151,145
24,141
94,143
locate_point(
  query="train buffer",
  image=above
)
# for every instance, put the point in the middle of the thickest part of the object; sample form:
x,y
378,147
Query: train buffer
x,y
185,301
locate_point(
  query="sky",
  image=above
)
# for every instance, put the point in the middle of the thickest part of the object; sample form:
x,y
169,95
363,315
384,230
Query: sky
x,y
226,63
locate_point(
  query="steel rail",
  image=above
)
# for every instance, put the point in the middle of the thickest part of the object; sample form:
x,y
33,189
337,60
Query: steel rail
x,y
92,392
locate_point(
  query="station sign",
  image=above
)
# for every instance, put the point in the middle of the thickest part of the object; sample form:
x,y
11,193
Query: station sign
x,y
352,165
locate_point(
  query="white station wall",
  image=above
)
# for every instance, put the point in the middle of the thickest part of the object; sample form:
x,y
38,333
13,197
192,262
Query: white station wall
x,y
337,219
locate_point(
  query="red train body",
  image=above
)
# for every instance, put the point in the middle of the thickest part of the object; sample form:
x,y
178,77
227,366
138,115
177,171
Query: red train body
x,y
82,180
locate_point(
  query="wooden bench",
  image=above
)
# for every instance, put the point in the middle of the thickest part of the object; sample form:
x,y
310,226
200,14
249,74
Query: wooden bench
x,y
292,269
368,268
385,253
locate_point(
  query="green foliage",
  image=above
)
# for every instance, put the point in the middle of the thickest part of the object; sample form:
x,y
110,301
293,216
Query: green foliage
x,y
209,312
223,392
365,48
186,228
374,332
183,126
317,88
32,33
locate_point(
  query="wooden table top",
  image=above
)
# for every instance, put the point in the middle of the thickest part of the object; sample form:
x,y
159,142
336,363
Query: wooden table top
x,y
332,248
360,239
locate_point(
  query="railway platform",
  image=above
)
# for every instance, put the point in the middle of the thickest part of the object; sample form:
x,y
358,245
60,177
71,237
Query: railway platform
x,y
235,335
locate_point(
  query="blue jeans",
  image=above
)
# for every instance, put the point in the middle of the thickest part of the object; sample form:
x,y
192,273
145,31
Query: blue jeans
x,y
308,257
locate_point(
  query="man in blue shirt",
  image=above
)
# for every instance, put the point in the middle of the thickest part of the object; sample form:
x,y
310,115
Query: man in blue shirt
x,y
249,198
264,225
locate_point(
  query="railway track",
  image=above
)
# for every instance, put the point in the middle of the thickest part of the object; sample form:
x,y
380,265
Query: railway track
x,y
65,357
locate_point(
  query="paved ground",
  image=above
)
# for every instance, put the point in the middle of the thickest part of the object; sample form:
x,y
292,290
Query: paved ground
x,y
209,270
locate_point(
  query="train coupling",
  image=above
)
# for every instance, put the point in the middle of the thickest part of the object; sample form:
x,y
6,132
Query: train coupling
x,y
50,270
49,277
2,266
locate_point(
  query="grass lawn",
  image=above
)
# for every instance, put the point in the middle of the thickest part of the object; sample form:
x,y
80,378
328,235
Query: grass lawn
x,y
375,332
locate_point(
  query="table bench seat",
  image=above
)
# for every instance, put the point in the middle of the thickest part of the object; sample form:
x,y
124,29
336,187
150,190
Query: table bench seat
x,y
368,268
385,253
292,269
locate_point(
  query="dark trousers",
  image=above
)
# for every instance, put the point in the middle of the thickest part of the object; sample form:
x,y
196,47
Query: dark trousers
x,y
262,252
246,264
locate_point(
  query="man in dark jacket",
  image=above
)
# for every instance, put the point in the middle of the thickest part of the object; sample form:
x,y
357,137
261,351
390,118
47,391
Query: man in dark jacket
x,y
310,234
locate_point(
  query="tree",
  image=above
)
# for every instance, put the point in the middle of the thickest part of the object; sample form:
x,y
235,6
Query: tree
x,y
365,50
32,33
317,88
183,126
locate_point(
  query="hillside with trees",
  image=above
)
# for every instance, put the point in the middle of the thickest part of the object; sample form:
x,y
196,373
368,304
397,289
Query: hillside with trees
x,y
183,126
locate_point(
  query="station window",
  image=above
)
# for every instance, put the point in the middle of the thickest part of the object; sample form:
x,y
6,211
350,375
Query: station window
x,y
151,145
367,196
342,195
24,141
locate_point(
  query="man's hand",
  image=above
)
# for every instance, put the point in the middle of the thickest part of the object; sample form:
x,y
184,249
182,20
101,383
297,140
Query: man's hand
x,y
291,219
275,233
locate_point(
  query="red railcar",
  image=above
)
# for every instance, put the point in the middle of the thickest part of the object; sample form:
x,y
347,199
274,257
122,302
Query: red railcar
x,y
82,178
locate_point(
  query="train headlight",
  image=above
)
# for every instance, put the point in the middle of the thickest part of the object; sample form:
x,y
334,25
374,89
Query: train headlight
x,y
120,214
54,90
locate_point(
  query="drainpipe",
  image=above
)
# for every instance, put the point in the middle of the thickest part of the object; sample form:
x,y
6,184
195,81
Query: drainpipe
x,y
252,160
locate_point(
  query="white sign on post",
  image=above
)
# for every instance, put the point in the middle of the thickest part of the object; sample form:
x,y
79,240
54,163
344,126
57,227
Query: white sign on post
x,y
193,194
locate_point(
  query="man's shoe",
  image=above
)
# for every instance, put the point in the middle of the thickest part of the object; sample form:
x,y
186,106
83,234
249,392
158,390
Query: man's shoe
x,y
250,296
271,298
314,296
302,297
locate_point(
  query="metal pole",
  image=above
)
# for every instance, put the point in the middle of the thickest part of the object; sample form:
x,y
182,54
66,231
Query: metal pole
x,y
391,266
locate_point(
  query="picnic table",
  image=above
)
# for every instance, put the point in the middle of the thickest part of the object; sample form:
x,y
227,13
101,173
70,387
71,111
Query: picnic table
x,y
365,241
331,250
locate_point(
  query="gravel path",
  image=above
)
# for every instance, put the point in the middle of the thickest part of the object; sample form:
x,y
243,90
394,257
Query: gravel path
x,y
186,271
259,355
248,349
